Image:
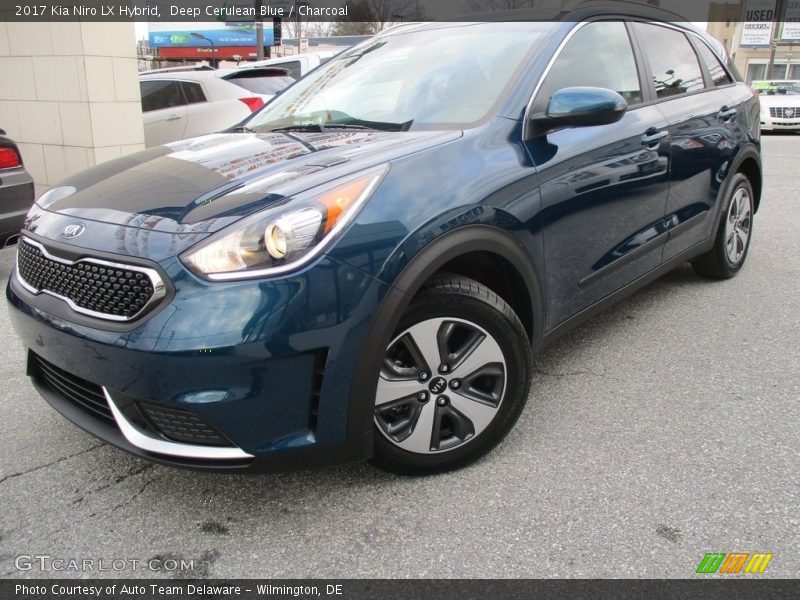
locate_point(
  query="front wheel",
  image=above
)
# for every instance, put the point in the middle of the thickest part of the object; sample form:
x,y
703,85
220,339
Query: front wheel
x,y
732,242
454,379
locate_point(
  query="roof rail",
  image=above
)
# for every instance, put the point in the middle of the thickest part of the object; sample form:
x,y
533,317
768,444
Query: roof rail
x,y
570,5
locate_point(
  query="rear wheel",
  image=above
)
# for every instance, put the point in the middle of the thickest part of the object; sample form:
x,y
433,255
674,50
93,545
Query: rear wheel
x,y
732,243
454,379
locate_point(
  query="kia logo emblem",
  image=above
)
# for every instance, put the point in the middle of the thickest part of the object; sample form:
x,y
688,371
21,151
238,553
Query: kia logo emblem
x,y
73,230
438,385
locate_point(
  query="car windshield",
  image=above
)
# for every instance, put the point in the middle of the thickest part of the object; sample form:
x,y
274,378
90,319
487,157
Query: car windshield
x,y
777,88
449,76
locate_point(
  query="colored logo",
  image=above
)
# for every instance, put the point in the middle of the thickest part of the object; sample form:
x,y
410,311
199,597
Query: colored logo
x,y
735,562
72,231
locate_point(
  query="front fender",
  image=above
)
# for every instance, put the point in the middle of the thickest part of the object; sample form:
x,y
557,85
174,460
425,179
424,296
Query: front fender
x,y
462,240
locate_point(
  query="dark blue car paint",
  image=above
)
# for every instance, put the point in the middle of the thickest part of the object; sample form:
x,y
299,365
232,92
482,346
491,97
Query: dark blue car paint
x,y
243,354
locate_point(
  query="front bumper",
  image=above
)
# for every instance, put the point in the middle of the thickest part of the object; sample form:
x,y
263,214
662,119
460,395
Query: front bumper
x,y
268,364
778,124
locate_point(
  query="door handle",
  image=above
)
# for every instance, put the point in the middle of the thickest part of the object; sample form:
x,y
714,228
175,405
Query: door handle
x,y
652,137
726,113
173,117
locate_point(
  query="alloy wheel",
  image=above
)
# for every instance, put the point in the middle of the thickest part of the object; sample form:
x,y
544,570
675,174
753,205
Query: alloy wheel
x,y
440,386
737,227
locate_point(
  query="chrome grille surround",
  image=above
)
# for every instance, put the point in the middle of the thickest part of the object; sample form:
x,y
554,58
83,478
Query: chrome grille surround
x,y
159,289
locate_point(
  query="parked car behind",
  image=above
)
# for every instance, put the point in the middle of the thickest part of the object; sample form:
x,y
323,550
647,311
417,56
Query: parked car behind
x,y
780,104
16,191
179,104
366,268
298,65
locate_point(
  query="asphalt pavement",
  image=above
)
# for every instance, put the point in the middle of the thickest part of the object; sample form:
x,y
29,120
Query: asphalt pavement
x,y
663,429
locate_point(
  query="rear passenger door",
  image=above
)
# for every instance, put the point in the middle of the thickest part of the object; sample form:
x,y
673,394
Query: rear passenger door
x,y
163,111
604,189
198,110
701,119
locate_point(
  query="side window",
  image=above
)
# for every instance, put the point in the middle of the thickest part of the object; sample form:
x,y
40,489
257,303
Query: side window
x,y
718,73
598,55
672,60
193,92
160,94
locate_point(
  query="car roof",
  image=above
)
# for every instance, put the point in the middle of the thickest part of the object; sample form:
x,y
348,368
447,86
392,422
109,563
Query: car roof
x,y
579,10
183,75
322,55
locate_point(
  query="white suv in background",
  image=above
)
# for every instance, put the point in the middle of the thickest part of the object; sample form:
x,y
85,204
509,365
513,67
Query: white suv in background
x,y
299,64
180,104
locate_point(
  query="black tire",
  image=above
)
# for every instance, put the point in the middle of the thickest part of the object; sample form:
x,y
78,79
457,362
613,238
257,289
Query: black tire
x,y
452,296
717,263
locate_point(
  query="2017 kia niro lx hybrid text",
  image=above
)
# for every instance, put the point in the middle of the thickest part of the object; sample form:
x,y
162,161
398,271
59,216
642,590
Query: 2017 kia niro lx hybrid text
x,y
364,268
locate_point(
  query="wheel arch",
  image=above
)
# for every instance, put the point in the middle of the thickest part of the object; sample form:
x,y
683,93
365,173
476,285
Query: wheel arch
x,y
485,240
748,163
468,251
750,168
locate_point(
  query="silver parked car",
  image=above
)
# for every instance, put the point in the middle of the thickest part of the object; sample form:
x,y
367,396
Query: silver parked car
x,y
185,103
16,191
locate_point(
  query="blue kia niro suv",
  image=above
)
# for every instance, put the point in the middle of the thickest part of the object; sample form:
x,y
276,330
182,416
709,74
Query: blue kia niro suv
x,y
364,268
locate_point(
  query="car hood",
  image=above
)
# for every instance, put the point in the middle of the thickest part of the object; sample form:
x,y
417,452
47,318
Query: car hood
x,y
203,184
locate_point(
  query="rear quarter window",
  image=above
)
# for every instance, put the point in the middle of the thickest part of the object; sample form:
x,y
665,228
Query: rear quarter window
x,y
718,73
193,92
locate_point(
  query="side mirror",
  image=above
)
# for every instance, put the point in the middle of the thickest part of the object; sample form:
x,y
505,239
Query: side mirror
x,y
580,107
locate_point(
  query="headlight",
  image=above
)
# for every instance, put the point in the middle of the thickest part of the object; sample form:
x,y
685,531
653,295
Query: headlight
x,y
283,237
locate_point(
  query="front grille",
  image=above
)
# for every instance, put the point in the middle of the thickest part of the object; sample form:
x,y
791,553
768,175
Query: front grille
x,y
181,426
93,287
784,112
84,394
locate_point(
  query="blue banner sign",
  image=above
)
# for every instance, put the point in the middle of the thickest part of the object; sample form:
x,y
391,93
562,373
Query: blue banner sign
x,y
241,36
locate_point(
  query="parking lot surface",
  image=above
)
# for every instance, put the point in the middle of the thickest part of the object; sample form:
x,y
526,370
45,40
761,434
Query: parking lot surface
x,y
663,429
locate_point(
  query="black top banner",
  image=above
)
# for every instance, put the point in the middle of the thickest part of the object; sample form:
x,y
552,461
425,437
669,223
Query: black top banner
x,y
383,11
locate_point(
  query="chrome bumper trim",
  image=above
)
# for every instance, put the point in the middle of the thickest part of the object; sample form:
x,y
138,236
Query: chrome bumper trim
x,y
158,446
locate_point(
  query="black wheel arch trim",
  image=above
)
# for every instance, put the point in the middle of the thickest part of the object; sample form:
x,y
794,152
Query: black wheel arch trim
x,y
748,152
470,238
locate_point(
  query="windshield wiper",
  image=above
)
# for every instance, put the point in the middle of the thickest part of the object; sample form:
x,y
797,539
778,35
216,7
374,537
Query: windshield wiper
x,y
371,125
313,128
358,124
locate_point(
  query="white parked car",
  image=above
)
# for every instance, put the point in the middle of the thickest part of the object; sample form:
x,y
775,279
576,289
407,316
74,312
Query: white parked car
x,y
780,105
297,65
179,104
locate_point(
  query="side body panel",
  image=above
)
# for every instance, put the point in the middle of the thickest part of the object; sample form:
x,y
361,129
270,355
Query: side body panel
x,y
703,144
604,193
